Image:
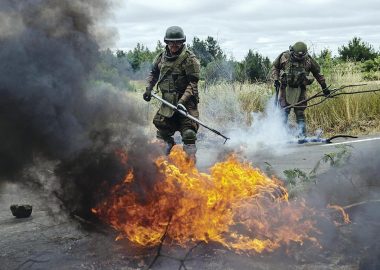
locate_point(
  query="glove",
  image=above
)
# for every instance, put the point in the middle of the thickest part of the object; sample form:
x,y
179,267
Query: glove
x,y
326,91
182,107
147,96
276,83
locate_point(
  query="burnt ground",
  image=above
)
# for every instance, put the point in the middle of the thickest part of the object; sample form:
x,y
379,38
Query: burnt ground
x,y
51,239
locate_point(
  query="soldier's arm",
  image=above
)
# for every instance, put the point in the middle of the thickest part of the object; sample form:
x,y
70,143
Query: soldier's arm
x,y
276,68
192,69
316,71
154,73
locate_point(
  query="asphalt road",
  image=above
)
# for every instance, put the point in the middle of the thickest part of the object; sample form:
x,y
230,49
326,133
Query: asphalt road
x,y
301,156
49,239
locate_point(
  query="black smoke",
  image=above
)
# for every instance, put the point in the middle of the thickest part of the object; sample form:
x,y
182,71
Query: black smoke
x,y
356,187
50,110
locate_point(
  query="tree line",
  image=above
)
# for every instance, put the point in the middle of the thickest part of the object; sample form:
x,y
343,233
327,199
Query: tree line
x,y
120,67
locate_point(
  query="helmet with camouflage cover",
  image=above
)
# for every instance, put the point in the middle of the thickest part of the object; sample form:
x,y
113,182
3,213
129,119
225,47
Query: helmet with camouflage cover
x,y
174,33
299,50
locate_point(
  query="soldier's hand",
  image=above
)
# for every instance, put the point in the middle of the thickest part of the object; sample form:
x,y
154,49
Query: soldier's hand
x,y
182,107
147,96
276,83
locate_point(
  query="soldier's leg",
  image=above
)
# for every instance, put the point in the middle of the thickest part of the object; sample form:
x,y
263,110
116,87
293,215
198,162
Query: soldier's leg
x,y
188,129
284,104
165,131
301,122
189,136
300,114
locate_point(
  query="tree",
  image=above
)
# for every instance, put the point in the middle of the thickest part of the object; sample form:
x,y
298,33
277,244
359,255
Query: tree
x,y
112,69
120,54
357,50
207,50
218,70
139,55
326,60
159,47
256,66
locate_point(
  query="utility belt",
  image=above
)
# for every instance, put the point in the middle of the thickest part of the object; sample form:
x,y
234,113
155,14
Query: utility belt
x,y
298,82
171,91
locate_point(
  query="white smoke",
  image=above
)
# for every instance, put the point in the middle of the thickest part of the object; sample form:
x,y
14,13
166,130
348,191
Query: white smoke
x,y
268,132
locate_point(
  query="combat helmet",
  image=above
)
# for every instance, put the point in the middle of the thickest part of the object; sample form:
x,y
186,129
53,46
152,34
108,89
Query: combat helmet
x,y
174,33
298,50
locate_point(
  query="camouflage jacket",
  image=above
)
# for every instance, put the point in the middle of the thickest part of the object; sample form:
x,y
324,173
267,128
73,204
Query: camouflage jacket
x,y
178,74
296,73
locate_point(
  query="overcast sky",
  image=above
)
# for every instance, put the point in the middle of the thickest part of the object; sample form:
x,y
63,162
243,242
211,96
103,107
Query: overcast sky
x,y
267,26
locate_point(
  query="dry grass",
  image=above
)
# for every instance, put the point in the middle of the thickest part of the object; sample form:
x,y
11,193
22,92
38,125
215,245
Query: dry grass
x,y
355,114
225,104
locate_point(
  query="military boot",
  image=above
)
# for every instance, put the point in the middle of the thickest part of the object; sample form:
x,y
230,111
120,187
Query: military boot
x,y
190,150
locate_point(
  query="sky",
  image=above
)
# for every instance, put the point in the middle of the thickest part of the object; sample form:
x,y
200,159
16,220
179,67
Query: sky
x,y
265,26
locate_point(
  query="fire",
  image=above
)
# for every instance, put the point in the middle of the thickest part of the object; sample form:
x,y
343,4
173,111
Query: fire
x,y
234,204
345,216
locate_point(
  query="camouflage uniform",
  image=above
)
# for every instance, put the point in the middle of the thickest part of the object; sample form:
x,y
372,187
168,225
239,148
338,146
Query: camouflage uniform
x,y
294,75
177,78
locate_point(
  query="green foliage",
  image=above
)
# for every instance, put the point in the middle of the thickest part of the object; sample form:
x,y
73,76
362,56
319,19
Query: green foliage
x,y
256,66
296,175
112,70
371,76
218,70
239,72
346,114
334,159
326,61
372,65
139,55
357,50
159,47
298,180
120,67
207,50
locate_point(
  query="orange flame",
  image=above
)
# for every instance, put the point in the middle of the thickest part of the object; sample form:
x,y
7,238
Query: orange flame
x,y
346,218
235,205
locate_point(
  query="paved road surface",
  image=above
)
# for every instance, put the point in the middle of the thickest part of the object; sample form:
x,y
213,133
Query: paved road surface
x,y
51,240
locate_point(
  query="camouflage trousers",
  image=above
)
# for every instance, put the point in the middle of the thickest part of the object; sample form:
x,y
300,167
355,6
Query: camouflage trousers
x,y
299,112
166,127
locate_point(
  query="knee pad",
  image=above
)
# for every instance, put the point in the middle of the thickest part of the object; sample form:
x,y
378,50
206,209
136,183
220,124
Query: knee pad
x,y
189,136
